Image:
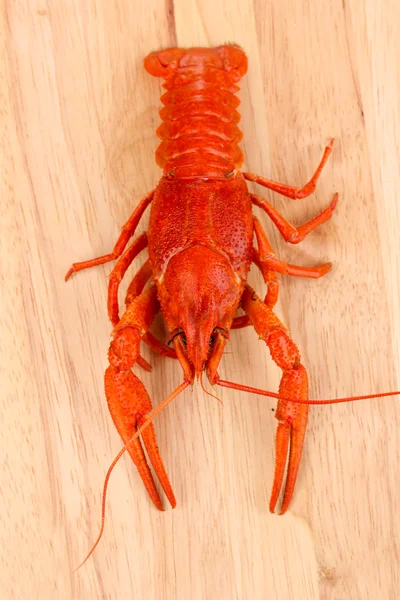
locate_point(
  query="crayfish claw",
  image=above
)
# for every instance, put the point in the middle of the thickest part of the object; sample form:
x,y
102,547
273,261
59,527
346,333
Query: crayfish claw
x,y
282,445
292,427
289,441
150,442
129,402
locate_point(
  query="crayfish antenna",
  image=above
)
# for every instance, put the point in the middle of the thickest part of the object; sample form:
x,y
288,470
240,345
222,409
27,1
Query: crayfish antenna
x,y
103,501
251,390
146,423
208,393
290,434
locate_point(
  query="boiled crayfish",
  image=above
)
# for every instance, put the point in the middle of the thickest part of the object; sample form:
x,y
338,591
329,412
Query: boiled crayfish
x,y
200,242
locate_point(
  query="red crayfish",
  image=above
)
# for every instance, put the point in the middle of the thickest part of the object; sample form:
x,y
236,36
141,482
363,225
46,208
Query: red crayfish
x,y
200,242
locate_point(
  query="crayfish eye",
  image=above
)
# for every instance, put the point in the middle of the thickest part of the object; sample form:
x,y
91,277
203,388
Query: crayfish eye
x,y
217,332
176,333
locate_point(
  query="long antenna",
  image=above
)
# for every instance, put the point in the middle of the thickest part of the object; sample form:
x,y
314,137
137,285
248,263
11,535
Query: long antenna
x,y
149,419
251,390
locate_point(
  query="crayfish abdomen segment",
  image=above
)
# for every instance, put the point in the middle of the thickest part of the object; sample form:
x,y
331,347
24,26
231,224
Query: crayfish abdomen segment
x,y
200,134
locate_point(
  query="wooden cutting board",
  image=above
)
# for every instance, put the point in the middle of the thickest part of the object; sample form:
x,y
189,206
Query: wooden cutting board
x,y
78,119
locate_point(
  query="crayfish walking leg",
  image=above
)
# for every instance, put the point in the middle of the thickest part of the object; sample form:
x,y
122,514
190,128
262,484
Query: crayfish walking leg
x,y
292,417
291,191
128,400
127,232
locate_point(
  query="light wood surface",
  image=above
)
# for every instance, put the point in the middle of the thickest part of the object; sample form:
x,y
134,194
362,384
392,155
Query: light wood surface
x,y
78,119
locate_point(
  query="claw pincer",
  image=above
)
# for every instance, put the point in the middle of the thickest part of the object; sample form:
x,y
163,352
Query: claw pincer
x,y
127,397
292,417
291,430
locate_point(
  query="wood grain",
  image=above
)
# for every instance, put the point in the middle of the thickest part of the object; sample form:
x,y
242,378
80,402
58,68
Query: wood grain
x,y
78,116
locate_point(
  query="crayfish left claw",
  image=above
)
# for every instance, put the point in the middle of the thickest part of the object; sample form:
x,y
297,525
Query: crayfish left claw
x,y
292,416
289,437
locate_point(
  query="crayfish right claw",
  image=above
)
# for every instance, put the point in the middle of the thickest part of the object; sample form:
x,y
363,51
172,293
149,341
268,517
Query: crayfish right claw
x,y
129,402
